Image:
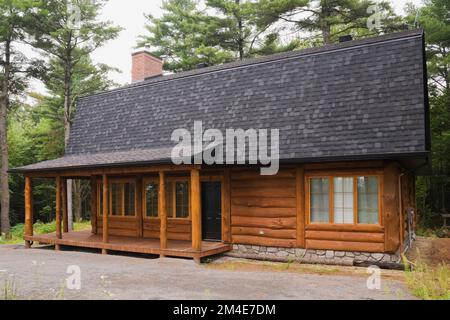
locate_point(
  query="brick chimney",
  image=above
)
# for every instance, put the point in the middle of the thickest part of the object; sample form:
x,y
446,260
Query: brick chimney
x,y
145,65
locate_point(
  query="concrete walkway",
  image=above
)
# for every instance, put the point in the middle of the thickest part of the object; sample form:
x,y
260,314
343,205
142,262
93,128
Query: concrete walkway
x,y
41,274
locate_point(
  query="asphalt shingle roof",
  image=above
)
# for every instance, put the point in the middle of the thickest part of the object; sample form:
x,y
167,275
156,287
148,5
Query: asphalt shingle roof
x,y
359,98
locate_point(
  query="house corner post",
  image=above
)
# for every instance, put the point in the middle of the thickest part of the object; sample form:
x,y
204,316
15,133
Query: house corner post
x,y
196,211
28,211
226,207
162,212
105,212
391,213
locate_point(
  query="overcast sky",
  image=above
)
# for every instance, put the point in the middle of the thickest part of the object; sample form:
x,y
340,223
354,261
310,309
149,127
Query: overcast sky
x,y
129,15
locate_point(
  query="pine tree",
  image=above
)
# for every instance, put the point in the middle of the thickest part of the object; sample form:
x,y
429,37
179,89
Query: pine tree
x,y
329,18
183,37
434,17
15,69
68,31
235,26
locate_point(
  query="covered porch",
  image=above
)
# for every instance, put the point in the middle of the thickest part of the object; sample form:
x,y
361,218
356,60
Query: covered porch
x,y
140,229
174,248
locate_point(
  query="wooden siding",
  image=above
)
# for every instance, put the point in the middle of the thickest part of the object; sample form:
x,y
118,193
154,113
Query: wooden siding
x,y
120,226
345,239
177,229
272,210
264,208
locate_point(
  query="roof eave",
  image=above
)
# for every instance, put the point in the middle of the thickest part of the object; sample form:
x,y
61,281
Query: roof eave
x,y
425,156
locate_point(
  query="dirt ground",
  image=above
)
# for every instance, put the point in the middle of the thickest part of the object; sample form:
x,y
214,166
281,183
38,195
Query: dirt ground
x,y
432,251
228,263
42,274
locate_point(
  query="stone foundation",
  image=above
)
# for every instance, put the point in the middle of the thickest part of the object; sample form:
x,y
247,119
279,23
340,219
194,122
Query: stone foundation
x,y
347,258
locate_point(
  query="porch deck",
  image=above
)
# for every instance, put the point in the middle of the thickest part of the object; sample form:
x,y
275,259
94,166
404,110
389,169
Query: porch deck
x,y
175,248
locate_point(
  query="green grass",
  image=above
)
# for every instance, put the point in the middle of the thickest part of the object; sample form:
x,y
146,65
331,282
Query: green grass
x,y
9,290
40,228
433,232
429,283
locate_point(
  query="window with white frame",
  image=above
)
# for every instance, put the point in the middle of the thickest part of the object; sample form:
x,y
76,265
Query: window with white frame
x,y
344,199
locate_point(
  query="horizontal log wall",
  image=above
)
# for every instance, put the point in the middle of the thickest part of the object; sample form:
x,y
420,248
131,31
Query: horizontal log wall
x,y
264,213
177,229
263,208
345,240
120,226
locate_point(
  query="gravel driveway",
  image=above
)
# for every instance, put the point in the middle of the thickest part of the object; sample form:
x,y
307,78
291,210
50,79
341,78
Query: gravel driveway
x,y
41,274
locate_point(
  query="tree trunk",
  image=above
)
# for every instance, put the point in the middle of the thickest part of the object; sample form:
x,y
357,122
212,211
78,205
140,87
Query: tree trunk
x,y
5,224
326,34
69,205
67,126
77,203
241,40
4,178
326,12
67,99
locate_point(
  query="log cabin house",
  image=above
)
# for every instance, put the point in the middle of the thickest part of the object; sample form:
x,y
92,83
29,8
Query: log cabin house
x,y
354,132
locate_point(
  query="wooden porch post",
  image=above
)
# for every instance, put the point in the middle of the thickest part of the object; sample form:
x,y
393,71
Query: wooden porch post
x,y
196,211
94,204
162,211
226,207
105,212
64,206
58,211
28,211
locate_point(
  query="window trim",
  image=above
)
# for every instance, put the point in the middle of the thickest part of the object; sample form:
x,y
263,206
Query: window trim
x,y
337,174
174,197
121,181
146,181
173,180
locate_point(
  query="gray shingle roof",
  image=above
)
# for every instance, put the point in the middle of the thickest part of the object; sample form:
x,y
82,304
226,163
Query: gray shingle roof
x,y
105,159
359,98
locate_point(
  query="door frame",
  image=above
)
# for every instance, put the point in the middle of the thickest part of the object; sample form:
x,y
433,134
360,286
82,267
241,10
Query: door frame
x,y
223,178
218,236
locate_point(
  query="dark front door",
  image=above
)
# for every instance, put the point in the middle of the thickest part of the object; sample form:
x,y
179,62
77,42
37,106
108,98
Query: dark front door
x,y
212,211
